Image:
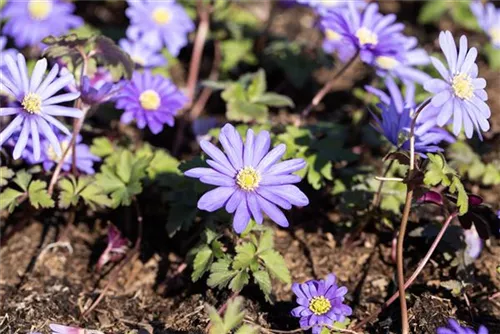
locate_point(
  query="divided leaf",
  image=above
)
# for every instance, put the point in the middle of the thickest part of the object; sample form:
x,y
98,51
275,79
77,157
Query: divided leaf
x,y
275,265
202,262
38,195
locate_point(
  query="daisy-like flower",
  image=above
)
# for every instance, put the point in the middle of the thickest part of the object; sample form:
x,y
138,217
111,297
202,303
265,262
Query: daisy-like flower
x,y
31,21
397,117
455,328
321,303
460,95
159,23
84,158
142,55
38,106
150,100
488,17
248,179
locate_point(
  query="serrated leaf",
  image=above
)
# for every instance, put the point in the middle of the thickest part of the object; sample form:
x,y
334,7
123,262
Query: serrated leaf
x,y
124,167
437,171
275,100
275,265
8,198
247,112
258,86
245,255
263,280
247,329
217,324
113,57
68,194
235,51
220,274
462,197
432,11
234,314
266,241
38,195
102,147
5,175
22,179
65,46
162,163
93,196
201,263
239,281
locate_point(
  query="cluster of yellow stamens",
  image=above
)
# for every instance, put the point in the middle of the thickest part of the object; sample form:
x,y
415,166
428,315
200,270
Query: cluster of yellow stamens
x,y
332,35
320,305
495,34
161,16
39,9
248,178
150,100
366,36
462,86
32,103
386,62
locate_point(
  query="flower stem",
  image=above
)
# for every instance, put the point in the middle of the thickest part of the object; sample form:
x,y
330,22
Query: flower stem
x,y
328,86
415,274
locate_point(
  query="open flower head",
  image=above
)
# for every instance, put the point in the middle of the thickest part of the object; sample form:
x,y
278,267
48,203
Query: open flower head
x,y
455,328
30,21
321,303
158,24
142,54
150,100
38,106
488,18
460,94
249,180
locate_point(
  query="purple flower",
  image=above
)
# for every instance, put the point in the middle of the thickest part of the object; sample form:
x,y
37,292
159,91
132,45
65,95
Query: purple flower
x,y
201,126
38,105
488,17
321,303
98,91
474,244
151,100
60,329
455,328
116,248
158,24
460,95
84,158
141,54
31,21
248,178
397,117
325,6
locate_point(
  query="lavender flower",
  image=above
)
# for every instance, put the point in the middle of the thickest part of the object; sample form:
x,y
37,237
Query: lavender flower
x,y
455,328
488,17
38,105
248,179
474,244
397,117
321,303
159,23
84,158
60,329
31,21
201,126
151,100
461,95
141,54
325,6
116,248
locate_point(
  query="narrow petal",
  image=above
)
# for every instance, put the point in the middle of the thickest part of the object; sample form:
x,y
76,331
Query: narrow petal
x,y
56,86
445,114
269,180
221,168
234,201
287,167
23,71
441,98
35,138
273,212
435,86
48,79
274,155
218,180
37,75
54,110
457,117
233,145
22,140
11,128
55,122
291,193
61,98
215,199
440,68
261,147
213,152
254,207
49,134
249,148
199,172
274,198
469,60
9,111
241,217
462,52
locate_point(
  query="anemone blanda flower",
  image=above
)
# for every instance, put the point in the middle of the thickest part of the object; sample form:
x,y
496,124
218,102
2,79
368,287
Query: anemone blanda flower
x,y
321,303
38,106
141,54
248,179
31,21
455,328
151,100
159,23
397,117
460,95
84,158
488,17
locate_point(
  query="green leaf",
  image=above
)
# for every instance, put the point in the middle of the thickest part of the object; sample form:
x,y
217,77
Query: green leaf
x,y
235,51
201,263
263,280
432,11
162,163
5,175
462,198
102,147
245,255
239,281
22,179
247,329
275,100
217,324
491,174
8,198
266,241
38,195
234,314
113,57
275,265
437,171
235,92
493,56
258,86
220,274
65,46
94,196
124,167
243,111
68,194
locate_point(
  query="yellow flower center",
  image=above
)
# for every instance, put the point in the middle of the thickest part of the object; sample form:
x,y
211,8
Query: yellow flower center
x,y
332,35
495,35
32,103
248,178
365,36
139,60
39,9
320,305
51,153
161,16
150,100
386,63
462,86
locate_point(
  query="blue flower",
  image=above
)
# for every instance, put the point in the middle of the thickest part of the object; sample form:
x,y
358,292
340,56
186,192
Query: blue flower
x,y
488,17
158,24
31,21
150,100
455,328
397,117
460,95
141,54
321,303
248,178
37,105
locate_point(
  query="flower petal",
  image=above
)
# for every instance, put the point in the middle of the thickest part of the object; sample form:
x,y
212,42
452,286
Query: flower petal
x,y
215,199
261,147
213,152
11,128
22,140
274,155
241,217
272,212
